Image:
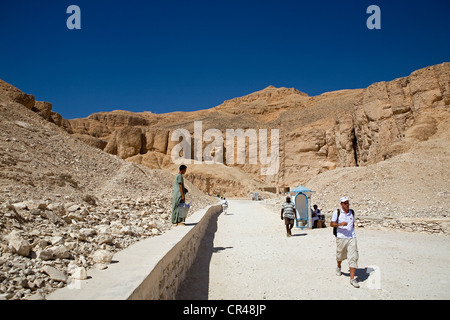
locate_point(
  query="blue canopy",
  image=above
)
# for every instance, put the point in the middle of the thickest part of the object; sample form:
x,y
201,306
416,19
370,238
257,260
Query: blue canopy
x,y
301,189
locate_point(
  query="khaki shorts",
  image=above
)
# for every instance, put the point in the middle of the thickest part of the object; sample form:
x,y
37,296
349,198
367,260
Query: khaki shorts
x,y
288,221
347,249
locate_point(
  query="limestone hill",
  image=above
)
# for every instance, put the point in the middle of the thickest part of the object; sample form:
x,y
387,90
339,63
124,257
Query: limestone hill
x,y
341,129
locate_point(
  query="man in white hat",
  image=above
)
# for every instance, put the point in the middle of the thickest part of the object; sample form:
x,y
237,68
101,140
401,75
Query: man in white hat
x,y
346,245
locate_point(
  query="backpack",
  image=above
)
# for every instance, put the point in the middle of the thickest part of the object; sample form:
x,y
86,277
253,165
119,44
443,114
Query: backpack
x,y
337,219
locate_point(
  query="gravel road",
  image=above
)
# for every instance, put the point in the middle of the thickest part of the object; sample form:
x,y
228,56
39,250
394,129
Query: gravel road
x,y
247,256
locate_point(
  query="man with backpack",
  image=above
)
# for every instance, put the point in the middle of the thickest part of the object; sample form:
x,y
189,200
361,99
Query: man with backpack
x,y
346,246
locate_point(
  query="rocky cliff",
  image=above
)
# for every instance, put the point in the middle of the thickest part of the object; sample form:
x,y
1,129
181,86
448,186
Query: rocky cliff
x,y
345,128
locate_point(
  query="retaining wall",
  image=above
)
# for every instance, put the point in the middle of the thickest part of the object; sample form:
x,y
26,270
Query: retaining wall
x,y
428,225
151,269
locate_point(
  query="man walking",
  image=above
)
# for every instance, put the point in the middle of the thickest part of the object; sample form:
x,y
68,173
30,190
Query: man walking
x,y
224,205
346,246
288,214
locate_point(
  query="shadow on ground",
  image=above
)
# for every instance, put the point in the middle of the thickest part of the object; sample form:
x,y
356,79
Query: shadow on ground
x,y
196,284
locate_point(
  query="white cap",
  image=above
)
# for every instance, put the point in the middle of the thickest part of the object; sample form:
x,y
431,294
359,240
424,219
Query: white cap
x,y
343,199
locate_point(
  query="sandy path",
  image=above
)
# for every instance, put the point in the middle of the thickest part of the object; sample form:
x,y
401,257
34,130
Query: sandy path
x,y
246,255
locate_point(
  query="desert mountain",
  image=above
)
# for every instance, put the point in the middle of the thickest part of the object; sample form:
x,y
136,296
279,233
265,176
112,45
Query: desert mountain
x,y
341,129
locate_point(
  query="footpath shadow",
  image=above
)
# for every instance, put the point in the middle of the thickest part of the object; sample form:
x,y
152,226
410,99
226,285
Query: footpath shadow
x,y
196,284
299,234
362,274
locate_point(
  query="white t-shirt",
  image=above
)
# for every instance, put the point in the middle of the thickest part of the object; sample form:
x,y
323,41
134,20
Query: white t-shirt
x,y
224,203
348,231
317,213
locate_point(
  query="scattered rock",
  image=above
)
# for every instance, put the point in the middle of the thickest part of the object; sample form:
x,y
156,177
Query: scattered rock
x,y
45,255
60,252
102,257
79,273
18,244
55,274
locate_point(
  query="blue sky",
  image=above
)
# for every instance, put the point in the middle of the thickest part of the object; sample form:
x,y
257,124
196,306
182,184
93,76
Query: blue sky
x,y
165,56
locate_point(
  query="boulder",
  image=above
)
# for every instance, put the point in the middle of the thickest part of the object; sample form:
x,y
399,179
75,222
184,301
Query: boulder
x,y
18,244
60,252
55,274
45,255
78,273
102,256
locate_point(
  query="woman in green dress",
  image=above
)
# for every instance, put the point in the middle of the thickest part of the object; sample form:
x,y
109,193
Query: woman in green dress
x,y
179,193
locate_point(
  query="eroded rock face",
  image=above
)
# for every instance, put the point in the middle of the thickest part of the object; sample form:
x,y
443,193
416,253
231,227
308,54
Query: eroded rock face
x,y
337,129
125,142
388,109
13,94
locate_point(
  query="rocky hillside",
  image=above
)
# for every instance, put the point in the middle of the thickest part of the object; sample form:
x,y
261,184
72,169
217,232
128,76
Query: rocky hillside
x,y
66,206
409,191
413,184
347,128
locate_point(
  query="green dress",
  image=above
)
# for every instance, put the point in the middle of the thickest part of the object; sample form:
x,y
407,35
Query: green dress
x,y
177,198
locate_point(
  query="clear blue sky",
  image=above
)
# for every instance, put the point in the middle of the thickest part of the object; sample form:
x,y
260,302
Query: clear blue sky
x,y
165,56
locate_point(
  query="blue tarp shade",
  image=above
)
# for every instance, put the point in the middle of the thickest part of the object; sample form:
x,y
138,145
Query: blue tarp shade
x,y
301,189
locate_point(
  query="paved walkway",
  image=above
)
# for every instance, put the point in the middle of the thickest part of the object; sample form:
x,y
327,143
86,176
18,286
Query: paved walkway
x,y
246,255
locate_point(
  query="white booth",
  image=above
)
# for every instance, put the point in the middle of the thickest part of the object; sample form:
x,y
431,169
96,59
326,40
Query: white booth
x,y
301,197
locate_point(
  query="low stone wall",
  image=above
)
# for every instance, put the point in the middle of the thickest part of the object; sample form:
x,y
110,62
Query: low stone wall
x,y
428,225
151,269
163,282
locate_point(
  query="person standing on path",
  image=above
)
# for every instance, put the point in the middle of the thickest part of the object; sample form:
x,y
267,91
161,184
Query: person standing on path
x,y
346,245
179,195
224,205
288,214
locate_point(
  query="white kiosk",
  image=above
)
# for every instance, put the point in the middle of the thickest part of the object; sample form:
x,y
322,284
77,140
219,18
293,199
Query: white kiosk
x,y
302,198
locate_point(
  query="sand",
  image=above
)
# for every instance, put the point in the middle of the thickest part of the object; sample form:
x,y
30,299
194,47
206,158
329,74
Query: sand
x,y
246,255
